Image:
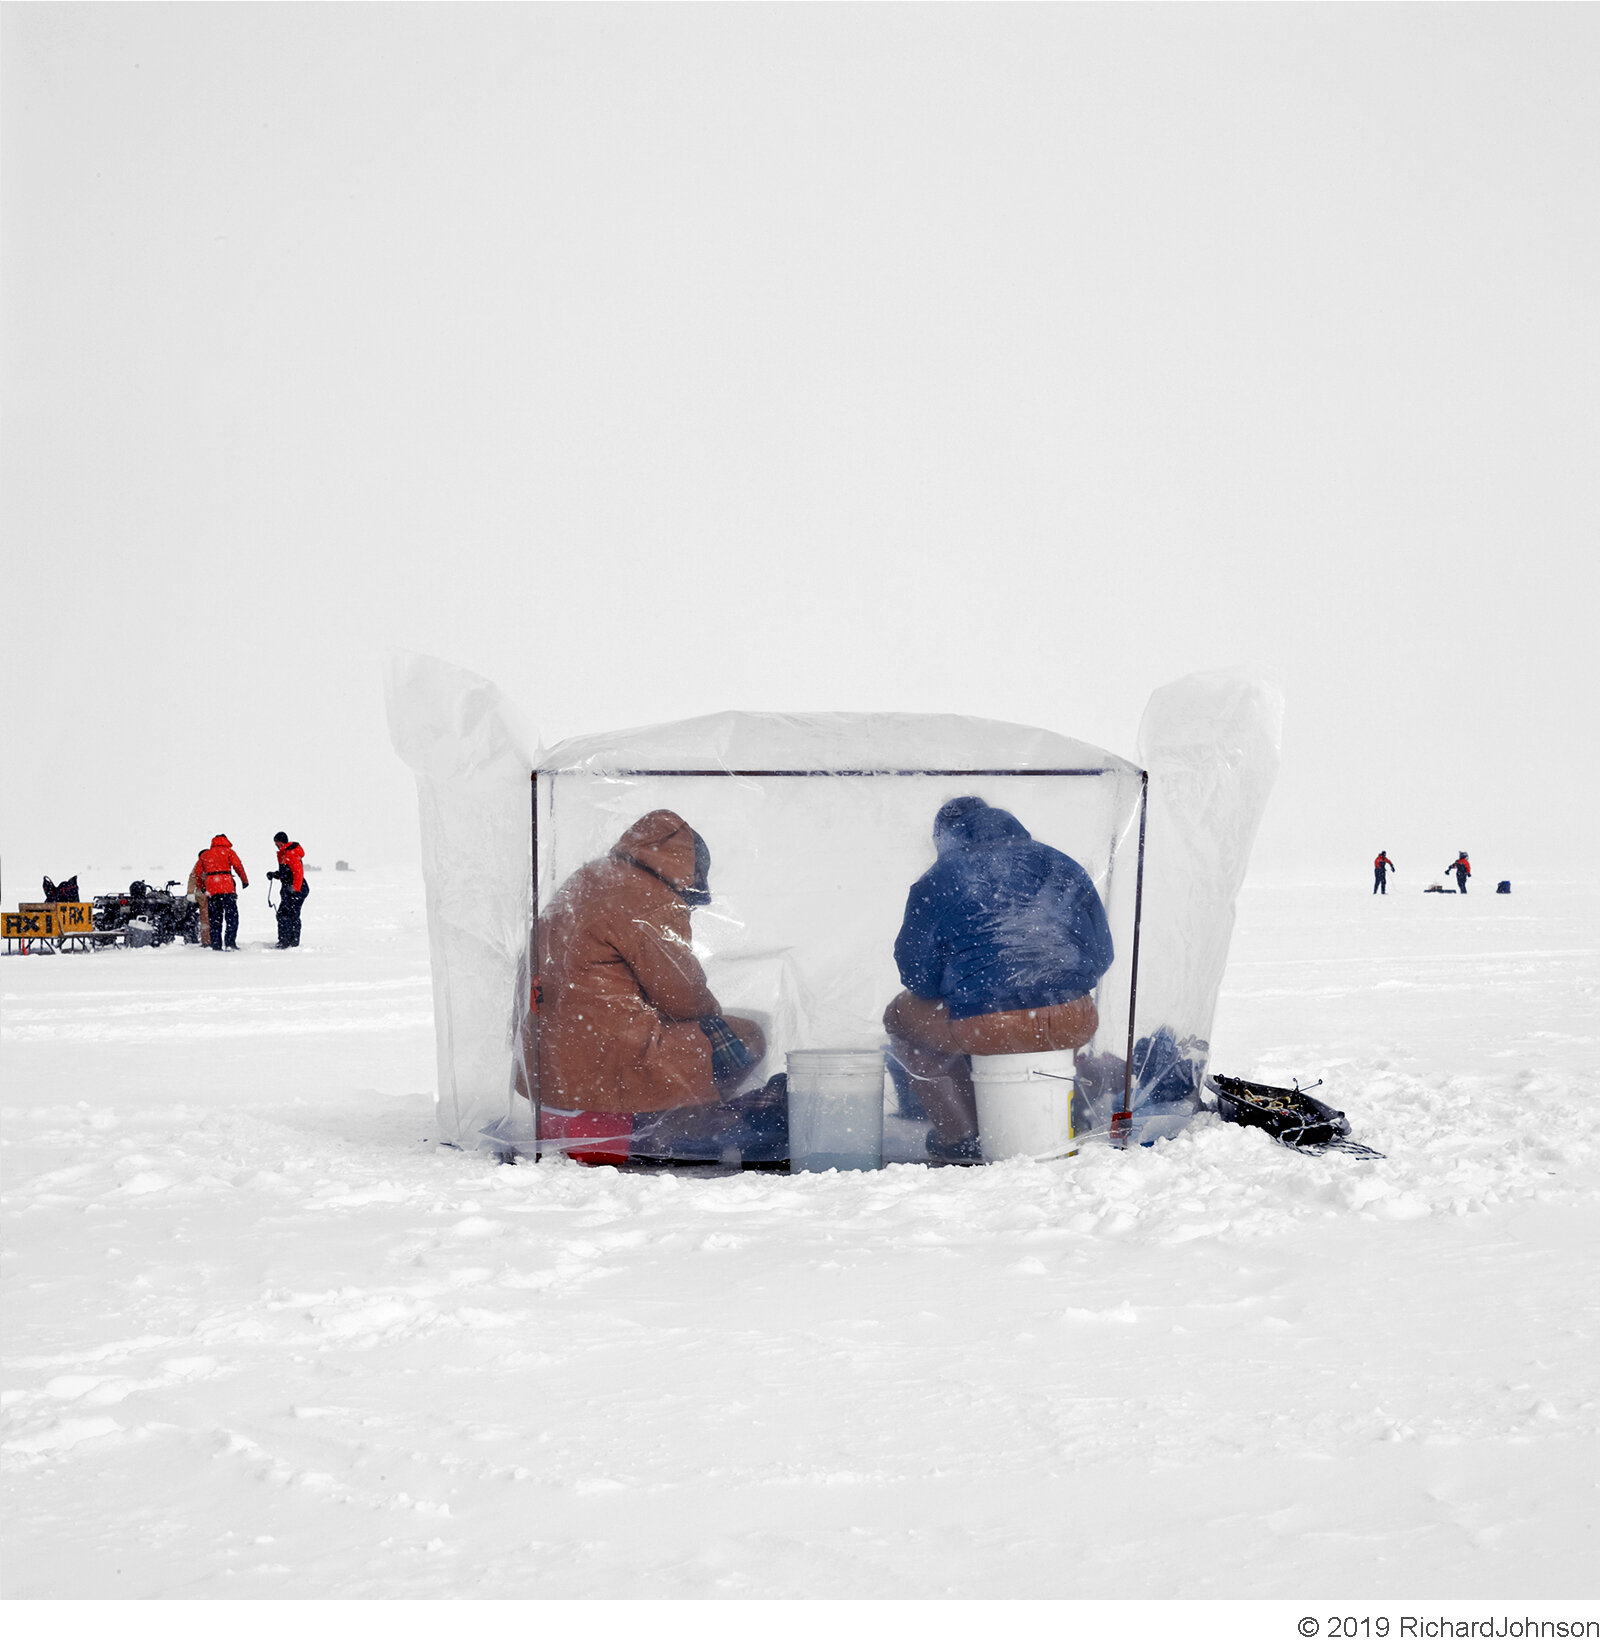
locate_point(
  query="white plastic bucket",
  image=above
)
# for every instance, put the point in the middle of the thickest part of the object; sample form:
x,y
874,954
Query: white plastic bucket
x,y
1025,1104
835,1108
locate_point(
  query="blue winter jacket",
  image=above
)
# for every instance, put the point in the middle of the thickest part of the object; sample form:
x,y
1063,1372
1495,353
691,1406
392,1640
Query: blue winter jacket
x,y
1001,921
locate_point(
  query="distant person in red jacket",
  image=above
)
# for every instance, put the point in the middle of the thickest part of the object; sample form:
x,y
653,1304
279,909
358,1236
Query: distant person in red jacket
x,y
1381,867
292,889
1462,866
213,872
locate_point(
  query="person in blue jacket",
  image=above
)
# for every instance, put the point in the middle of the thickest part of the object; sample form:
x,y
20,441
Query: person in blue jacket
x,y
1002,942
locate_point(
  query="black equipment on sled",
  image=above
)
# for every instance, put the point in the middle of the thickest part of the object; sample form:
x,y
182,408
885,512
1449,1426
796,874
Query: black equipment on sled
x,y
168,916
1290,1116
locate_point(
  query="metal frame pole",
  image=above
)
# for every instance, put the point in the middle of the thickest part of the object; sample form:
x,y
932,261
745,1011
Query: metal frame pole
x,y
854,773
1122,1121
535,963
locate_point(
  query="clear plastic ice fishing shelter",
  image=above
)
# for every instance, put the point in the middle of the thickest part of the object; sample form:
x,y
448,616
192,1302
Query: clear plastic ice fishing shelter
x,y
817,826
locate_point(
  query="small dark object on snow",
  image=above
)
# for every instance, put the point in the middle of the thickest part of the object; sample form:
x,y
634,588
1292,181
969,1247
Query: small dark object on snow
x,y
1437,888
341,865
1290,1116
62,893
1504,888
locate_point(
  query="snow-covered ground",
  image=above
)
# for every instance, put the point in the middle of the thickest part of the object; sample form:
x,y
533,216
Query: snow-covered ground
x,y
264,1338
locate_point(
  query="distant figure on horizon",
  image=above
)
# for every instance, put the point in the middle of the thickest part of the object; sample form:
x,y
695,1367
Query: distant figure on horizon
x,y
214,871
1462,866
1381,867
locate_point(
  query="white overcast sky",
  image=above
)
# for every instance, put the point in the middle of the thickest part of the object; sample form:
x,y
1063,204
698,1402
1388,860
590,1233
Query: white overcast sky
x,y
659,360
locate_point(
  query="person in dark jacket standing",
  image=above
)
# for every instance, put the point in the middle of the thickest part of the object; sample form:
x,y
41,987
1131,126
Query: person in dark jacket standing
x,y
293,889
1002,941
1381,867
1462,866
213,872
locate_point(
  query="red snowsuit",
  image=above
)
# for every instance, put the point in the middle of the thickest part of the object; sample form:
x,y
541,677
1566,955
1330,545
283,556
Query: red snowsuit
x,y
216,865
291,861
213,871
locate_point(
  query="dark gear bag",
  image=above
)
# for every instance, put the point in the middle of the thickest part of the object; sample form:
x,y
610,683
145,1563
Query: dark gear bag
x,y
1289,1115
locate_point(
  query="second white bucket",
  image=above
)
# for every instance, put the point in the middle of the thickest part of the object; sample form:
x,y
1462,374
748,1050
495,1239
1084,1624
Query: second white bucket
x,y
835,1109
1025,1104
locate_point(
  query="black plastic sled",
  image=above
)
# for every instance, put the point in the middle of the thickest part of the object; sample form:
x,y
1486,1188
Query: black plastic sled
x,y
1291,1116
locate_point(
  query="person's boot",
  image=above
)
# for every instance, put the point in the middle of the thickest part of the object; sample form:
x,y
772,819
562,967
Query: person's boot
x,y
774,1092
964,1153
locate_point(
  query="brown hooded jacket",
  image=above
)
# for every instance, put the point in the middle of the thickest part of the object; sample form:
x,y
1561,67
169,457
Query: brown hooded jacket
x,y
622,990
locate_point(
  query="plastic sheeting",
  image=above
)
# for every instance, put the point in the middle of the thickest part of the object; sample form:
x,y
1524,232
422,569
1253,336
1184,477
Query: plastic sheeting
x,y
459,737
817,826
1210,744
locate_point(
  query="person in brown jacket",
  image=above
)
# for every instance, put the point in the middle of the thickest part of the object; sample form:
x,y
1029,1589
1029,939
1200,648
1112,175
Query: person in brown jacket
x,y
628,1027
